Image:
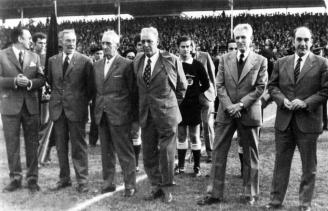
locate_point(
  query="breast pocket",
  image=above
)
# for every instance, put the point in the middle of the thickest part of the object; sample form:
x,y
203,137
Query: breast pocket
x,y
117,82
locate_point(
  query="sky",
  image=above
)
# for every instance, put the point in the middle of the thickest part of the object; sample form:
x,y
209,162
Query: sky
x,y
14,22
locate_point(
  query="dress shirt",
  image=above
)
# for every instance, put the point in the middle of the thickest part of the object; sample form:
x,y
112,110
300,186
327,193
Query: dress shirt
x,y
108,63
246,53
302,62
153,59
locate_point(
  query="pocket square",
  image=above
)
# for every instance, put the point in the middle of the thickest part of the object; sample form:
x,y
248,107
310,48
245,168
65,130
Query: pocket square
x,y
32,64
117,76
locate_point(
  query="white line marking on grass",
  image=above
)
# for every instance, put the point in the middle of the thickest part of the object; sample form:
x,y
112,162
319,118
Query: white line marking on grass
x,y
95,199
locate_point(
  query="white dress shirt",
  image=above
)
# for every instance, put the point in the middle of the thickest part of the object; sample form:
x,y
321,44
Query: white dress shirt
x,y
153,59
303,60
108,63
246,53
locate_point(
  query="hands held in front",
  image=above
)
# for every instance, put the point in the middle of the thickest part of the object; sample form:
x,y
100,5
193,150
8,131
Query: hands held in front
x,y
234,110
22,81
296,104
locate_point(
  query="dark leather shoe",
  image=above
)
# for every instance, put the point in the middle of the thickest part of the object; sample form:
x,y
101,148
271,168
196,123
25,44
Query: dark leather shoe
x,y
129,192
82,188
305,208
108,189
33,186
208,200
60,185
155,194
273,206
13,185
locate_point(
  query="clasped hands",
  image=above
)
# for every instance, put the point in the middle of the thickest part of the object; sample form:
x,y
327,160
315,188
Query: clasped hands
x,y
22,81
295,104
234,110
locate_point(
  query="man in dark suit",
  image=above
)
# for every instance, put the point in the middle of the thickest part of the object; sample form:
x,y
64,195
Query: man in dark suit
x,y
207,101
162,86
299,86
241,80
115,107
20,78
70,76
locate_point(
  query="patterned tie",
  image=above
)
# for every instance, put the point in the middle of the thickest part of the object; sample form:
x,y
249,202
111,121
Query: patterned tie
x,y
65,65
297,69
147,72
21,60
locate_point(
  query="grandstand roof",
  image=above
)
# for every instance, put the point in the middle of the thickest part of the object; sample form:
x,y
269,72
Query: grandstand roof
x,y
41,8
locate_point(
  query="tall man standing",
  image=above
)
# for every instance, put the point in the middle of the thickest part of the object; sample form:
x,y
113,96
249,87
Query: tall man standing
x,y
70,76
207,99
299,86
115,106
20,78
241,80
162,86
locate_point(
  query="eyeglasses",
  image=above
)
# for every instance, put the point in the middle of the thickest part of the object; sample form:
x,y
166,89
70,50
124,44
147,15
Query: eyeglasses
x,y
300,39
231,49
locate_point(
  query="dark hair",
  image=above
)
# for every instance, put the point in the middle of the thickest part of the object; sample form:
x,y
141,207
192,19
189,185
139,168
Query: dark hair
x,y
183,39
137,39
38,35
128,51
270,43
95,48
231,41
16,32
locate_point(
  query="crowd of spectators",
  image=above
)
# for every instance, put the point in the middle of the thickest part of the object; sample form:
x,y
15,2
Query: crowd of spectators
x,y
210,33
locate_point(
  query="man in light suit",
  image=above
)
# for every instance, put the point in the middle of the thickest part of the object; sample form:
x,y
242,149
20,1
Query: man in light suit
x,y
162,86
299,86
241,80
70,76
20,78
115,107
207,100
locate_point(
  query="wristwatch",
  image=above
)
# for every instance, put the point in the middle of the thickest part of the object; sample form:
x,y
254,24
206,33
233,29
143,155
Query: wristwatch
x,y
241,104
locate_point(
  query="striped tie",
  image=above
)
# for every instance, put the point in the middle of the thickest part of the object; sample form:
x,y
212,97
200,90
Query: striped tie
x,y
297,69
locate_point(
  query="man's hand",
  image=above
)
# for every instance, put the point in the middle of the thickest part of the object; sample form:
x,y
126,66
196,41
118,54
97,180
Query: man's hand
x,y
233,109
22,80
298,104
237,115
288,104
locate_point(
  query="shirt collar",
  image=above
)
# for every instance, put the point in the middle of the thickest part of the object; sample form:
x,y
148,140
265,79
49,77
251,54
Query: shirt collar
x,y
110,60
69,56
303,57
246,53
154,57
17,51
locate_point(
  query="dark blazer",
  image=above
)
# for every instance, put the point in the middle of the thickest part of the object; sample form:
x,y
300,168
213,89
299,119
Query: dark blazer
x,y
72,92
117,92
11,96
311,87
247,89
167,89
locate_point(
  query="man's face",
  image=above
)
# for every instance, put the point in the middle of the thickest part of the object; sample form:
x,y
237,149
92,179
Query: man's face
x,y
149,43
40,46
243,39
25,39
232,46
69,42
109,46
99,55
303,41
139,47
131,55
185,49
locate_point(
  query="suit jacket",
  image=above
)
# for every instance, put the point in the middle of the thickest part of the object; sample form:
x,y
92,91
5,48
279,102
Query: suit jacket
x,y
311,87
116,92
167,89
12,97
73,91
247,89
206,60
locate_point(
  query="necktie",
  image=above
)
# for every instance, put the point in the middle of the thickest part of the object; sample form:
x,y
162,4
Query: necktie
x,y
240,64
21,60
297,69
65,65
147,72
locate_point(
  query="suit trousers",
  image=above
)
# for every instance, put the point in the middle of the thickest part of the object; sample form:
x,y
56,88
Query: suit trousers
x,y
11,128
286,142
249,141
158,147
116,139
65,130
207,115
93,132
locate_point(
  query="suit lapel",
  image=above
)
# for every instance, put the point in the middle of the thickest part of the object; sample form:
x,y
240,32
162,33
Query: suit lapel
x,y
250,60
158,67
13,59
59,64
71,64
27,59
140,66
290,68
308,63
233,66
112,67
